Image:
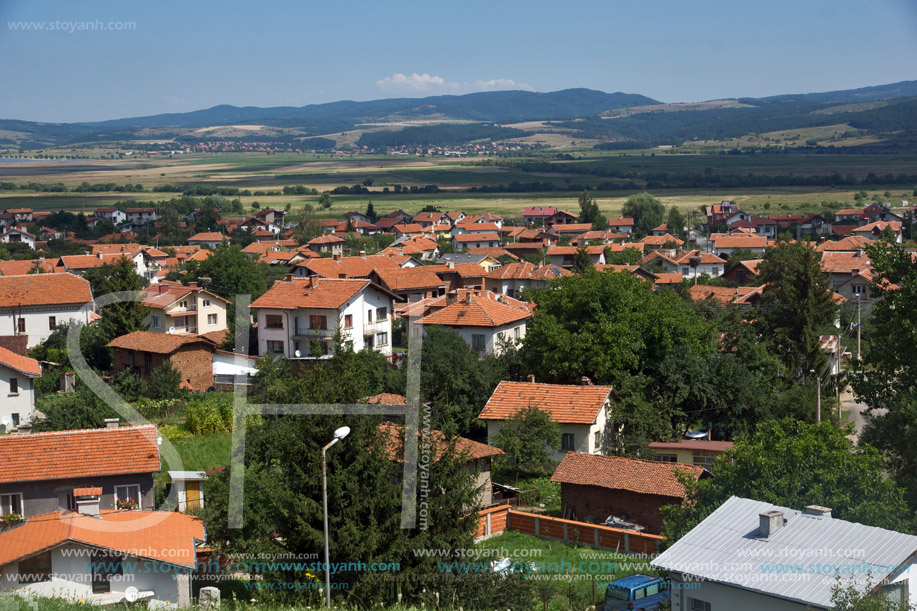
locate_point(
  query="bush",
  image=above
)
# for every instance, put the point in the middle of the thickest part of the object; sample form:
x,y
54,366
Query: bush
x,y
209,413
165,382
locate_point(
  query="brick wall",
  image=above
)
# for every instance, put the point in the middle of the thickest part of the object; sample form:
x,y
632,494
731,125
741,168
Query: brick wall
x,y
595,504
492,522
584,533
194,362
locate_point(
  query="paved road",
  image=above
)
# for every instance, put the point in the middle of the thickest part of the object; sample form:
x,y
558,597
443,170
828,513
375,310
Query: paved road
x,y
855,412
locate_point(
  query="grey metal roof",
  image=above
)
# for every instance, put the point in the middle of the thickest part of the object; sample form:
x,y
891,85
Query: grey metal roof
x,y
726,548
187,475
461,258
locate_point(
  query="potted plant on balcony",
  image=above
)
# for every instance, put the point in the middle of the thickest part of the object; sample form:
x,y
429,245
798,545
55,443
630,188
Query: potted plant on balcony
x,y
127,503
10,519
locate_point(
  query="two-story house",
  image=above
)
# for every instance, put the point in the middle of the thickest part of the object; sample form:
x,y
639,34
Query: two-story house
x,y
581,411
17,391
141,216
112,215
298,317
180,309
34,304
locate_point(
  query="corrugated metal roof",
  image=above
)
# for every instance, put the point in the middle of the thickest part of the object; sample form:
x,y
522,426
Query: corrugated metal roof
x,y
725,548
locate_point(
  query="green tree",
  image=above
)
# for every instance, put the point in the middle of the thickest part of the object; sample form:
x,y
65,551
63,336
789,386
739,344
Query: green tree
x,y
581,261
589,212
647,212
864,597
526,438
325,200
165,382
627,256
798,305
794,464
371,212
124,317
676,223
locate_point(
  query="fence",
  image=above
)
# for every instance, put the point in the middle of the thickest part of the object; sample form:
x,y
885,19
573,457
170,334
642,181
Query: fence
x,y
491,522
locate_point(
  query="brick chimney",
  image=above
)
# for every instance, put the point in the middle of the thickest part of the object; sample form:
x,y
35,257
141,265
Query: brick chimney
x,y
336,256
584,381
817,510
530,378
468,298
111,423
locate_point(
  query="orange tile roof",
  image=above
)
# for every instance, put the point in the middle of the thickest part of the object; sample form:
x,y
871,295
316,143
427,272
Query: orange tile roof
x,y
43,290
879,226
464,270
849,212
160,343
325,239
164,536
77,492
207,236
571,250
639,246
523,270
692,444
740,241
624,221
850,243
842,262
668,278
705,257
24,267
421,277
349,267
408,228
486,309
479,227
312,293
662,240
494,251
393,440
490,236
112,249
721,294
22,364
566,403
386,398
618,473
572,228
82,453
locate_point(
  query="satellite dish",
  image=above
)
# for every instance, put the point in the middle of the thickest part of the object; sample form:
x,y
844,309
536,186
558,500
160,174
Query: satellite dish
x,y
131,594
297,354
171,330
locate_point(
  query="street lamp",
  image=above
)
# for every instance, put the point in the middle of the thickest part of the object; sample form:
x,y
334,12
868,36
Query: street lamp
x,y
339,434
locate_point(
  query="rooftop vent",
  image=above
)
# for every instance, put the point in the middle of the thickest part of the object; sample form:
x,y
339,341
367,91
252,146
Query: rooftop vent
x,y
111,423
817,510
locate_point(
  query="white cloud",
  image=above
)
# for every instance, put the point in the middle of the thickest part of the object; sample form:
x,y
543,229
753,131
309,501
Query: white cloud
x,y
429,84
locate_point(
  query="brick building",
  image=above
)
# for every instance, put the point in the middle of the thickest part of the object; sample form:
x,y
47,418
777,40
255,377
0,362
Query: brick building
x,y
144,351
594,487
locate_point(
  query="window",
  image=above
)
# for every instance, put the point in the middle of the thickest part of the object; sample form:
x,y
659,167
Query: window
x,y
125,494
369,315
14,386
35,569
275,346
381,314
652,589
381,339
154,322
698,605
105,565
666,458
685,271
858,289
20,325
10,503
206,303
517,332
212,319
704,458
15,417
597,441
716,271
183,304
348,321
567,442
52,322
477,341
272,321
317,321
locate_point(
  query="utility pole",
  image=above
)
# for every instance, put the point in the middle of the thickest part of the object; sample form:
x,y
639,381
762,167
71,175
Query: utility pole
x,y
818,399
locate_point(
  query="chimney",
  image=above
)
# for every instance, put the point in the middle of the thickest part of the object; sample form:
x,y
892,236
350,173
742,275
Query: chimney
x,y
451,264
817,510
468,298
584,381
336,256
111,423
769,522
855,270
24,429
87,500
100,255
451,297
530,378
362,253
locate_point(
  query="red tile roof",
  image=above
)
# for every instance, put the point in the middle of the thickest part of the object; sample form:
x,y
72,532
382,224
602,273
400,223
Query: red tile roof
x,y
164,536
850,244
630,474
624,221
159,343
494,251
22,364
662,240
490,236
386,398
24,267
740,241
393,440
571,250
473,308
314,293
539,211
83,453
78,492
349,267
326,239
566,403
523,270
411,278
208,236
43,290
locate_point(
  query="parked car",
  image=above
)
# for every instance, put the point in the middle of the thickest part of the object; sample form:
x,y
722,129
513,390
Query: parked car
x,y
642,592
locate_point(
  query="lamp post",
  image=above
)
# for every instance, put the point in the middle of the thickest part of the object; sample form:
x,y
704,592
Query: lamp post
x,y
339,434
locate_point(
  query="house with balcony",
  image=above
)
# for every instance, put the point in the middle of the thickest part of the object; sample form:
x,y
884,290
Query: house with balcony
x,y
581,411
183,309
141,216
299,317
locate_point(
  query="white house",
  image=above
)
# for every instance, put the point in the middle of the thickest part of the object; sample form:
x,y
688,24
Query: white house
x,y
176,308
115,216
461,241
298,317
563,256
17,392
208,239
581,411
757,556
102,557
698,263
141,216
725,245
35,304
482,318
18,236
513,278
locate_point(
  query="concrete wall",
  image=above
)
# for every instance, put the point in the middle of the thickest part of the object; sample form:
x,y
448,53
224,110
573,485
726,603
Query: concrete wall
x,y
22,402
726,598
46,496
593,535
37,324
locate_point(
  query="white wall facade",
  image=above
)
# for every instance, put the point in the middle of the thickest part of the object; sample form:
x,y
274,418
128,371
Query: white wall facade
x,y
38,320
727,598
21,403
584,435
492,335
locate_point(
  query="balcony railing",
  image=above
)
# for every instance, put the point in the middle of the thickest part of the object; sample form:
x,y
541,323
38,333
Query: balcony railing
x,y
306,332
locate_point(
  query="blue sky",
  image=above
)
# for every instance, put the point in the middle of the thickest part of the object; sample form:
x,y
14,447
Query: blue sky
x,y
192,54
